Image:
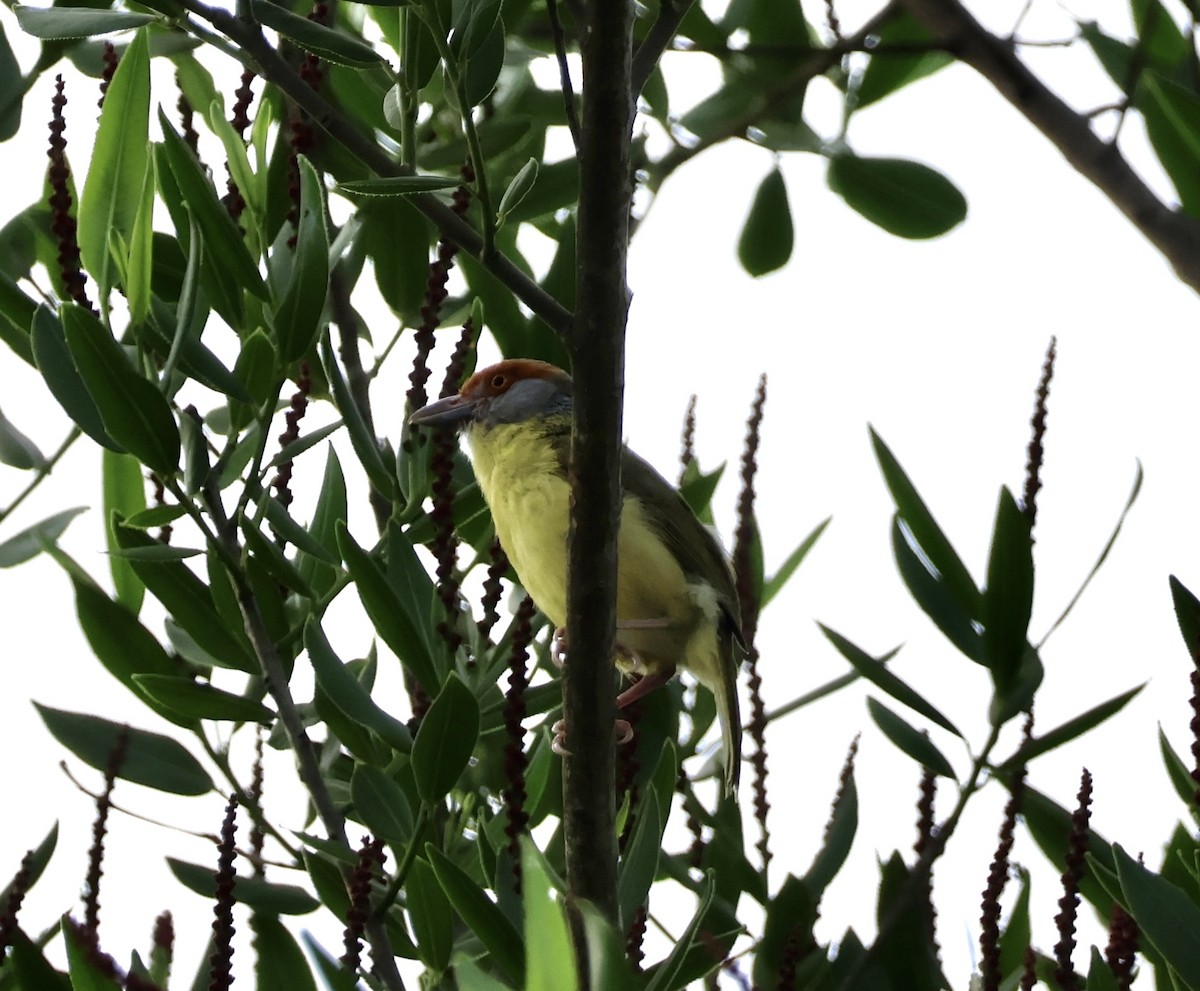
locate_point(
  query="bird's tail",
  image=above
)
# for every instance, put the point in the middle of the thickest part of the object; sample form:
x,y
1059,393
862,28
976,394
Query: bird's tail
x,y
728,712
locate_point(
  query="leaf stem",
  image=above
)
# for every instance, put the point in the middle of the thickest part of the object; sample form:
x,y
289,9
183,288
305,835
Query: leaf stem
x,y
41,475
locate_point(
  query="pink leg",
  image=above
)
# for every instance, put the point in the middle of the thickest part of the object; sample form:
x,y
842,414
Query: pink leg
x,y
644,686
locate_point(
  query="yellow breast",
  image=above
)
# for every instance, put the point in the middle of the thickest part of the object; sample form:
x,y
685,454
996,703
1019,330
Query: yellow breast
x,y
518,471
664,619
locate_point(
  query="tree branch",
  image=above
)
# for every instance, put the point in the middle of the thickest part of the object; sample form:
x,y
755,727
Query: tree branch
x,y
598,358
670,14
815,63
259,55
1174,234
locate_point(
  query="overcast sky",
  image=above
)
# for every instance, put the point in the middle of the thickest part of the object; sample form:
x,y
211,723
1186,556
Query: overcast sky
x,y
939,346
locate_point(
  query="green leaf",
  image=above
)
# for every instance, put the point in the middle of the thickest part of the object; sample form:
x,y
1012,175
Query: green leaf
x,y
1069,730
269,555
445,740
431,916
1165,915
888,71
910,740
398,185
767,237
333,46
54,361
134,412
550,964
1181,778
388,612
112,193
139,267
150,759
39,857
198,700
1187,615
321,572
1008,596
31,967
1050,825
29,542
52,23
12,90
190,603
932,593
875,671
484,64
481,915
639,862
86,972
260,895
345,691
17,450
298,318
159,553
774,585
336,975
16,318
124,494
226,258
904,198
365,445
926,534
839,837
122,644
666,972
381,804
517,189
279,963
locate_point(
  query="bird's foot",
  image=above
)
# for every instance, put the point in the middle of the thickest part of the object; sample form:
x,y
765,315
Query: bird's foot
x,y
558,647
645,685
559,742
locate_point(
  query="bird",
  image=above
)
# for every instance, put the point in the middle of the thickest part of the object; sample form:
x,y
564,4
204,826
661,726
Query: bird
x,y
677,604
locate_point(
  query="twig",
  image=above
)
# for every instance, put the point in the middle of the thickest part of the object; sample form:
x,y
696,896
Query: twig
x,y
258,54
1175,235
564,71
670,14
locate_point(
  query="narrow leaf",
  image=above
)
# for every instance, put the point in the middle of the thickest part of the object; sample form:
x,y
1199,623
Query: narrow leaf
x,y
1071,729
30,542
112,193
260,895
135,414
150,759
1165,915
481,914
911,741
347,694
445,740
876,672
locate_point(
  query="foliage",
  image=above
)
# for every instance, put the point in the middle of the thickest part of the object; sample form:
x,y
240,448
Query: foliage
x,y
178,323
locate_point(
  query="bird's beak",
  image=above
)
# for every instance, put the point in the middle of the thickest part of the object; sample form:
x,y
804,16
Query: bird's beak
x,y
444,412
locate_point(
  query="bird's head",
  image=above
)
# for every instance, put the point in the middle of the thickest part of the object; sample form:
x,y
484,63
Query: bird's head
x,y
511,391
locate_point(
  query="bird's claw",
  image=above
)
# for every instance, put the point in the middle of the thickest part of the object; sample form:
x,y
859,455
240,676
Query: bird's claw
x,y
558,742
558,647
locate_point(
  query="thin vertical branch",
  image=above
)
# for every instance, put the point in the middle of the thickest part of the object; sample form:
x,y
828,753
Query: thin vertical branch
x,y
515,760
598,361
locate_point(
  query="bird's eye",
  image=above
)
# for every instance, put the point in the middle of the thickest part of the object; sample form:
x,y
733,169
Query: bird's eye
x,y
499,381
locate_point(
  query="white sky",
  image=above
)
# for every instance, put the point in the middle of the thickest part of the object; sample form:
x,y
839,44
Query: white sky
x,y
939,346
